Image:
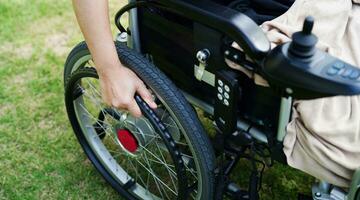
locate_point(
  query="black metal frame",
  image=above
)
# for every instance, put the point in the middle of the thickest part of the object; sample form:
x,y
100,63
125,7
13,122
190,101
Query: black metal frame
x,y
204,24
210,26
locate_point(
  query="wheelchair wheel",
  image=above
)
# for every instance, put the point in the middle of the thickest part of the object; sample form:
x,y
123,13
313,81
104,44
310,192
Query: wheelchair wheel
x,y
127,151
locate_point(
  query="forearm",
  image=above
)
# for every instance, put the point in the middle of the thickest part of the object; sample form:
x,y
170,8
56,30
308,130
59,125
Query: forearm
x,y
93,18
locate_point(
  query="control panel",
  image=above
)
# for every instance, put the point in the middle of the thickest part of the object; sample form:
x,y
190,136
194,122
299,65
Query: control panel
x,y
304,72
226,103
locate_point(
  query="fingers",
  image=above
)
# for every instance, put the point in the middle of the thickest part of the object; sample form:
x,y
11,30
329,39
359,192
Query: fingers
x,y
127,103
119,92
134,109
146,95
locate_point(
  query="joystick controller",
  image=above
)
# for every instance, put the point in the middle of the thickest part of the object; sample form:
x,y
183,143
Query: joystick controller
x,y
303,42
300,70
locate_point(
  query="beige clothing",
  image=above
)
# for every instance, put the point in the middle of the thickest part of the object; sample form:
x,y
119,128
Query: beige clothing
x,y
323,137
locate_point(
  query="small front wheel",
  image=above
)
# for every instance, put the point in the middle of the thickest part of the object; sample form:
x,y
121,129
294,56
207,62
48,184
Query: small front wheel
x,y
127,151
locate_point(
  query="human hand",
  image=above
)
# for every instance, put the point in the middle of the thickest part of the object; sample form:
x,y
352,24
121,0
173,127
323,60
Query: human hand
x,y
118,88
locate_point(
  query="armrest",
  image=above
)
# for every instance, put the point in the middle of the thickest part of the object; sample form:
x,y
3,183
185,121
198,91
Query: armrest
x,y
230,22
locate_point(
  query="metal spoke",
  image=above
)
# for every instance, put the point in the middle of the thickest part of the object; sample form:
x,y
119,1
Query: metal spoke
x,y
187,167
167,168
157,158
93,88
105,129
157,178
154,177
136,172
168,125
150,135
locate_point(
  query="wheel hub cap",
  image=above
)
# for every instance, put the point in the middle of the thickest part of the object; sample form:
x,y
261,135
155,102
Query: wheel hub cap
x,y
127,140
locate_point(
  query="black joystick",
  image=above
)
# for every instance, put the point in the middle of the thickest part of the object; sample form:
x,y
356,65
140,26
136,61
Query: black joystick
x,y
303,42
300,70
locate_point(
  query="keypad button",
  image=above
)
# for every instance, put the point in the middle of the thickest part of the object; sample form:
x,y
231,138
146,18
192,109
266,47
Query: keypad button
x,y
220,83
220,97
226,95
347,73
339,65
355,74
227,89
332,71
220,90
226,102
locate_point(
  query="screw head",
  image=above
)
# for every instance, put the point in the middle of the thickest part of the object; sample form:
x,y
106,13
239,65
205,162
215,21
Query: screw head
x,y
289,90
203,55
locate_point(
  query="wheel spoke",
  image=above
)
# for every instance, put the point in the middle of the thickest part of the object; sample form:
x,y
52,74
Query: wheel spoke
x,y
157,158
167,168
105,129
150,170
137,176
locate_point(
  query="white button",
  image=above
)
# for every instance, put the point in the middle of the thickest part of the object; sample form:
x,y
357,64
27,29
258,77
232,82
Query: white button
x,y
220,83
226,95
226,102
220,90
227,89
220,97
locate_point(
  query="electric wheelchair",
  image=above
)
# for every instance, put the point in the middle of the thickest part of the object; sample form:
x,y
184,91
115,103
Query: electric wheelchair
x,y
178,48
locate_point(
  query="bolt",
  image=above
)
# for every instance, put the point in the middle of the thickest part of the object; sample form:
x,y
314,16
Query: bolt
x,y
318,194
227,52
123,117
203,55
289,90
236,57
122,37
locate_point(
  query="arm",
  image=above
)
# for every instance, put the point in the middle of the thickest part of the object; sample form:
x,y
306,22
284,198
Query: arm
x,y
118,84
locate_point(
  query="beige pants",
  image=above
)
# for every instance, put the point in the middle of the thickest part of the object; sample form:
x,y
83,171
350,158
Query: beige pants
x,y
323,137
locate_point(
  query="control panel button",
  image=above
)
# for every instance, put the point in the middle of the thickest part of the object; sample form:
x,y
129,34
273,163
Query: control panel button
x,y
332,71
339,65
227,89
220,90
220,97
347,73
354,75
220,83
226,95
226,102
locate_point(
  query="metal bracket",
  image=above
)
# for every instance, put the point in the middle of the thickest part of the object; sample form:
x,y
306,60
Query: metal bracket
x,y
325,191
200,72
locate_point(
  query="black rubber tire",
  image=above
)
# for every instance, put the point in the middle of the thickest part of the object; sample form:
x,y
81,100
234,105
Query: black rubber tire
x,y
165,89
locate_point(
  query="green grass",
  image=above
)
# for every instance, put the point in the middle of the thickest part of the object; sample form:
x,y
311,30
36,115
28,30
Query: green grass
x,y
39,155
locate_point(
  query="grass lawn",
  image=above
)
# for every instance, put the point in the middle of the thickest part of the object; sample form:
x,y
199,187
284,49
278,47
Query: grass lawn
x,y
39,155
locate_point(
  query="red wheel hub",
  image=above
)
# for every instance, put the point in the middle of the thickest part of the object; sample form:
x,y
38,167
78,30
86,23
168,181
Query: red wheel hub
x,y
127,140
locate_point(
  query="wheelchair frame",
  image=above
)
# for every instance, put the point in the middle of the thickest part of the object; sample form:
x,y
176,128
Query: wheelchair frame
x,y
210,17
